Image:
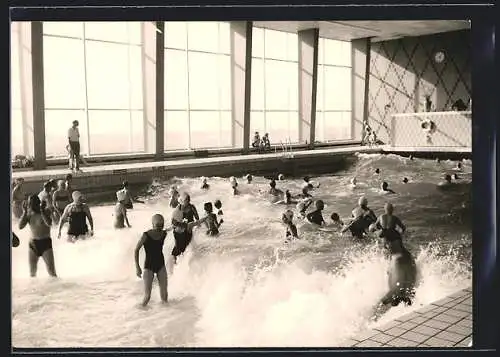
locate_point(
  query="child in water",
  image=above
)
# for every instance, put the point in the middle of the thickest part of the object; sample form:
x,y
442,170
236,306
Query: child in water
x,y
291,229
316,216
204,184
336,221
234,185
218,205
211,220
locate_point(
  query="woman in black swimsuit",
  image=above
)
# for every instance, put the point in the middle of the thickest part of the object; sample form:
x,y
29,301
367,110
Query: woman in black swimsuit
x,y
37,216
153,241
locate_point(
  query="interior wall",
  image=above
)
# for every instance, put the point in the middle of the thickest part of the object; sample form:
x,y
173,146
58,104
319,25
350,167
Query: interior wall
x,y
404,71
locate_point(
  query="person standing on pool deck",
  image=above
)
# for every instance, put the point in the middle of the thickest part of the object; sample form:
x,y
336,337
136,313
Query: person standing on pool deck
x,y
77,213
387,223
74,144
18,197
38,217
154,264
184,214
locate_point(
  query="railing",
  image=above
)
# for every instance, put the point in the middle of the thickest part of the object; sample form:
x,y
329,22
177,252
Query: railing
x,y
432,130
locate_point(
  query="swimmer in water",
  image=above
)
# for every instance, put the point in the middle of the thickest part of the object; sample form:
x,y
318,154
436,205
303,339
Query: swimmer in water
x,y
354,182
459,166
218,205
384,187
15,240
305,193
363,216
388,225
38,217
18,197
405,180
210,220
336,221
249,178
455,177
234,185
204,184
377,171
288,198
69,183
46,196
281,177
121,211
291,229
316,216
129,201
76,214
61,198
446,183
174,197
183,221
308,184
303,205
154,263
402,279
273,191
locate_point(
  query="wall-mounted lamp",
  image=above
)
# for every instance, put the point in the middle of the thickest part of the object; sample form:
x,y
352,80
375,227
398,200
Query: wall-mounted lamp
x,y
439,57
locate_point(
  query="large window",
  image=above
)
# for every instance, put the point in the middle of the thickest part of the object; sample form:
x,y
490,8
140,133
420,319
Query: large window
x,y
197,85
17,144
333,100
274,107
93,74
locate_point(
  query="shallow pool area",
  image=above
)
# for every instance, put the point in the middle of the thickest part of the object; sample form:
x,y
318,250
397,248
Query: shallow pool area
x,y
246,288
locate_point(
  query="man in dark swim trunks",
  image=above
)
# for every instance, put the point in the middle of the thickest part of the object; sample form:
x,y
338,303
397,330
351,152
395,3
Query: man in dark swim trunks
x,y
38,217
402,279
154,264
362,218
388,225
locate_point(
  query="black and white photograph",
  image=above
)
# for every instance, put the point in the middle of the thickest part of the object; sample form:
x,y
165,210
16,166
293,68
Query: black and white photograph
x,y
252,184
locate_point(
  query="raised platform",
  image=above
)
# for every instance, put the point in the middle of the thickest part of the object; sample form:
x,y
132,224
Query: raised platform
x,y
444,323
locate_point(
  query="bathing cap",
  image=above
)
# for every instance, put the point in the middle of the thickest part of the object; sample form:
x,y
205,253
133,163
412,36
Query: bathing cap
x,y
120,195
232,179
76,196
158,220
61,183
288,214
319,204
281,177
362,201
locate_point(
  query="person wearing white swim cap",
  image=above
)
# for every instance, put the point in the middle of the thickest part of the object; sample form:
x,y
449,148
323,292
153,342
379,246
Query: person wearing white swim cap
x,y
204,184
77,213
120,211
234,185
291,229
363,217
184,217
281,177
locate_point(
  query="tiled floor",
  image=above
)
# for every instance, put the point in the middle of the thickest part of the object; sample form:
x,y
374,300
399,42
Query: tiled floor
x,y
444,323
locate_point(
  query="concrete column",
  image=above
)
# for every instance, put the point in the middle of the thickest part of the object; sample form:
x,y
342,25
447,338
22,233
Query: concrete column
x,y
32,90
152,79
360,61
308,84
241,72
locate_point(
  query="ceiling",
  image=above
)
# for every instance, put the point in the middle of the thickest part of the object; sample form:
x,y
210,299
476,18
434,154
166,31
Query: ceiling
x,y
377,30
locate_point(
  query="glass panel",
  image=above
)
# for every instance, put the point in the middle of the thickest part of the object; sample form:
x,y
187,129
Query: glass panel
x,y
135,71
203,36
137,130
176,35
292,69
203,81
176,80
345,54
176,130
337,126
15,77
275,44
205,129
225,129
337,95
321,88
293,126
107,75
320,123
109,131
257,97
321,52
225,38
57,123
257,42
257,123
115,31
224,77
277,85
63,28
64,75
16,132
293,47
278,126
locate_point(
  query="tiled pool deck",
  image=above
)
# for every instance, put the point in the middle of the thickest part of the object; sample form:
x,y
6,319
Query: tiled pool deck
x,y
444,323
